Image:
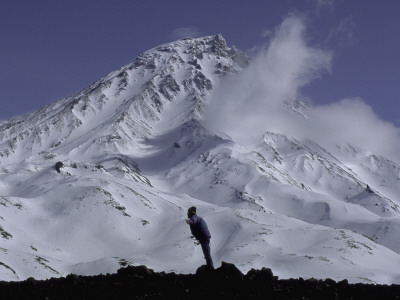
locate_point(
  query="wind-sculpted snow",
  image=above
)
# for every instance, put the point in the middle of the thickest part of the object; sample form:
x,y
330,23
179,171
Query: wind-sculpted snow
x,y
136,155
123,106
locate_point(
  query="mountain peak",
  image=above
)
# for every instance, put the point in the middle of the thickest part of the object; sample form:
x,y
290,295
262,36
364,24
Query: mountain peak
x,y
126,104
135,157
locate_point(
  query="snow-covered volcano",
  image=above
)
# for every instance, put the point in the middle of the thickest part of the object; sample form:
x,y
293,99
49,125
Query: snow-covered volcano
x,y
136,155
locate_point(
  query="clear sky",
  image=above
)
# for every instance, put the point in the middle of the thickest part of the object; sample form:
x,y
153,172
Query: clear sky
x,y
50,49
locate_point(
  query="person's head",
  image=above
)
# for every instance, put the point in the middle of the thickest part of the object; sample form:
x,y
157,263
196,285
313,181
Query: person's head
x,y
191,211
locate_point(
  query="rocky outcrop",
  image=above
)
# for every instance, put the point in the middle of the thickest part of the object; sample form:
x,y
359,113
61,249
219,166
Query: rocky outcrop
x,y
225,282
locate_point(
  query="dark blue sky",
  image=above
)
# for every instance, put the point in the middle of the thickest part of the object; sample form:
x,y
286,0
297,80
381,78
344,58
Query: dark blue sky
x,y
50,49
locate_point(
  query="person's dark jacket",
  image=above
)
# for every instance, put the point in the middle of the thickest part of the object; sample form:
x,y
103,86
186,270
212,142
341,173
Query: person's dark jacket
x,y
199,228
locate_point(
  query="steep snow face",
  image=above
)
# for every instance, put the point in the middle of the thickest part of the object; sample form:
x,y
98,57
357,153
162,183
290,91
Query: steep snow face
x,y
115,112
136,156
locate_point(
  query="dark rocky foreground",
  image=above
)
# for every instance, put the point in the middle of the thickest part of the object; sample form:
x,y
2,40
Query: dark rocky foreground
x,y
226,282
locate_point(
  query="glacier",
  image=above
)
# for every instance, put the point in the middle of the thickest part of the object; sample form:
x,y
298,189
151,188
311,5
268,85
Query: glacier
x,y
137,153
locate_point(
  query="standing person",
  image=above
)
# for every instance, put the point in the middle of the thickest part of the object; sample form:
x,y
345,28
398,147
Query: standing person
x,y
200,231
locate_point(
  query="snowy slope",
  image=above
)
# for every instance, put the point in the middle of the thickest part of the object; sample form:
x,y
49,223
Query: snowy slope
x,y
137,155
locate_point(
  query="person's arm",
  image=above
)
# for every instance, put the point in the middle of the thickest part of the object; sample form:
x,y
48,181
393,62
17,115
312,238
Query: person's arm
x,y
192,220
189,221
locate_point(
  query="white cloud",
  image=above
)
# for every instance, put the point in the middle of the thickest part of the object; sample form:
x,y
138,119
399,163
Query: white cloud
x,y
184,32
349,121
251,102
343,35
324,5
275,75
267,33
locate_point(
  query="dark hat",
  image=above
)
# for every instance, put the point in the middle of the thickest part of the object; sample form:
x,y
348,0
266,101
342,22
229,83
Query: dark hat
x,y
192,210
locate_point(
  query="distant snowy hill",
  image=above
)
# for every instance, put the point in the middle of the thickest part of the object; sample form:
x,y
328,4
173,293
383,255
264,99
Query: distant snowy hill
x,y
137,154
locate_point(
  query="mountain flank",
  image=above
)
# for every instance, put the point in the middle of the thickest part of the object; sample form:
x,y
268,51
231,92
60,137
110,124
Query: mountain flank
x,y
104,179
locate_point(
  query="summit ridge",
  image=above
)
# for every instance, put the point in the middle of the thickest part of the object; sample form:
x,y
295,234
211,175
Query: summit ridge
x,y
137,153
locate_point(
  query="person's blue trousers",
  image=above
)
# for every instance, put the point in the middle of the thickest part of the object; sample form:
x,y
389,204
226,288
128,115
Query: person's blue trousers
x,y
205,245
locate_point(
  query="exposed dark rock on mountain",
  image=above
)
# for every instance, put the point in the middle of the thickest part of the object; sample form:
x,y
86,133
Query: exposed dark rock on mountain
x,y
225,282
59,165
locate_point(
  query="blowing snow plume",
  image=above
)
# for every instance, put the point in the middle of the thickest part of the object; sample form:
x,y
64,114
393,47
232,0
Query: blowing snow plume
x,y
248,104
